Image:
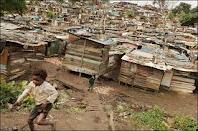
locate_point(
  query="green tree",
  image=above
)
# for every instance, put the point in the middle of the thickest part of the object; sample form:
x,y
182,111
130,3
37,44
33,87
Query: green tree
x,y
194,10
16,6
182,7
186,15
12,6
189,19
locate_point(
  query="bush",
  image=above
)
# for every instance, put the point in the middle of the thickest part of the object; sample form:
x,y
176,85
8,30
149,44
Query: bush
x,y
10,91
185,123
153,118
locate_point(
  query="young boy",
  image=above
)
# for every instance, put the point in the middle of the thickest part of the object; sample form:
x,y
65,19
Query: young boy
x,y
44,95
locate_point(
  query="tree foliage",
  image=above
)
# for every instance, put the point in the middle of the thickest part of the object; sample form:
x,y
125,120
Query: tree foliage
x,y
194,10
182,7
189,19
10,91
12,6
186,15
19,6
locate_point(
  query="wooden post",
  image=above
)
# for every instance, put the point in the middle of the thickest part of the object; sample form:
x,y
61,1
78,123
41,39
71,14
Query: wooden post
x,y
82,56
104,20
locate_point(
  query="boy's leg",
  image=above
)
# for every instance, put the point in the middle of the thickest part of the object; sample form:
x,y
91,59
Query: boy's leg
x,y
42,121
35,112
92,88
42,117
89,88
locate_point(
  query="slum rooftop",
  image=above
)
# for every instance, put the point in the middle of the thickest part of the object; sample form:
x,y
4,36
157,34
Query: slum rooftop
x,y
105,24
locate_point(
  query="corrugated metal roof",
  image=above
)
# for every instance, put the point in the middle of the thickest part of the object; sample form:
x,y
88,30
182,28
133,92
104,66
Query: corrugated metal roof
x,y
108,41
149,64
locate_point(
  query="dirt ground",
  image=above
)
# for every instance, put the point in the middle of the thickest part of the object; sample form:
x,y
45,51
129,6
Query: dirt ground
x,y
88,108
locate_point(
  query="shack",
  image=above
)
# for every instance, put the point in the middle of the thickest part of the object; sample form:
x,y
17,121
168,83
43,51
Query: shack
x,y
88,55
138,69
24,44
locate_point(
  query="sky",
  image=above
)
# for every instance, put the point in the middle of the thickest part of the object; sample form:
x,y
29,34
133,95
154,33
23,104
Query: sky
x,y
173,3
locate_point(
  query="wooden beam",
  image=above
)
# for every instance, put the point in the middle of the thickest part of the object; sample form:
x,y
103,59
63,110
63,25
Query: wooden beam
x,y
82,56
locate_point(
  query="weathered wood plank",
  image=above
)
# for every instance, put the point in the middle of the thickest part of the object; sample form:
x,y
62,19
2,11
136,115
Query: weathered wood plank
x,y
167,77
79,48
182,79
85,55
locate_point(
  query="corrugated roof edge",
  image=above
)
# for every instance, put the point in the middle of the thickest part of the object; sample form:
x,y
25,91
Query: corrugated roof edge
x,y
26,44
149,64
94,40
157,66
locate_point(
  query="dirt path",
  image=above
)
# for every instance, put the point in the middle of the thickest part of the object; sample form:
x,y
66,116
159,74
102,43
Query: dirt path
x,y
92,118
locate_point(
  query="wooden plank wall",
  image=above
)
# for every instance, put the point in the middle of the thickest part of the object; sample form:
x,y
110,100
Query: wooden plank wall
x,y
166,80
87,55
148,77
127,73
182,82
138,75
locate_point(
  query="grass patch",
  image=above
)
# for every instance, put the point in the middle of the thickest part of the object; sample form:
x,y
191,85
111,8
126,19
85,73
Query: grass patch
x,y
185,123
123,110
153,118
122,107
75,110
61,100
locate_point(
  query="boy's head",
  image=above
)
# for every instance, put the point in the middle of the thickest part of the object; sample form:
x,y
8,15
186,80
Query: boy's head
x,y
39,76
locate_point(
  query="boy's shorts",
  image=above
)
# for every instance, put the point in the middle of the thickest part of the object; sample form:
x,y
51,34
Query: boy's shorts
x,y
37,110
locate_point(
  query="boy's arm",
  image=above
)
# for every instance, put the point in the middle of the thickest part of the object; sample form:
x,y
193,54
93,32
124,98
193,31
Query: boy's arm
x,y
53,94
24,94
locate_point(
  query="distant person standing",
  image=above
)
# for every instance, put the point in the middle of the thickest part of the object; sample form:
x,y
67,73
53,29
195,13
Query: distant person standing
x,y
91,83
